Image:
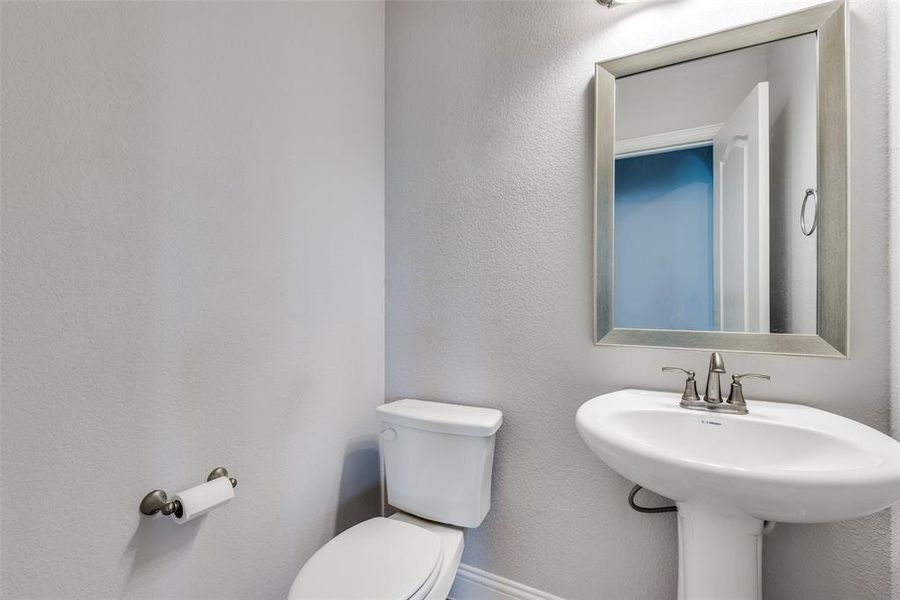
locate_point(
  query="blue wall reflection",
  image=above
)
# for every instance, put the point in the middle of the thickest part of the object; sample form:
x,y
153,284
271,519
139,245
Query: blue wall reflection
x,y
664,276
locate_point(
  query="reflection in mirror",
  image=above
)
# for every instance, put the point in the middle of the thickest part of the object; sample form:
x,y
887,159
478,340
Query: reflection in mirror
x,y
713,160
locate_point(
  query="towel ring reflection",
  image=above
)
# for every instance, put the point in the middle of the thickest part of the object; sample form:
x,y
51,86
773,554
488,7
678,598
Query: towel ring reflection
x,y
808,230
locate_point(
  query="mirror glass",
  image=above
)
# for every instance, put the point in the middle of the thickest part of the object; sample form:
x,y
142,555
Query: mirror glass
x,y
714,160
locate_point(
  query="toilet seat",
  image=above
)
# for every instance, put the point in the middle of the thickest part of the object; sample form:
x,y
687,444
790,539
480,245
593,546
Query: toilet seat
x,y
378,559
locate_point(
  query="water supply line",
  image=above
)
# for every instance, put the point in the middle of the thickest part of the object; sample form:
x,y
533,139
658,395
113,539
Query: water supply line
x,y
768,526
646,509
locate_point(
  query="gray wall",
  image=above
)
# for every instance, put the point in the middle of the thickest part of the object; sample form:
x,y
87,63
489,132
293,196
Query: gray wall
x,y
489,153
192,276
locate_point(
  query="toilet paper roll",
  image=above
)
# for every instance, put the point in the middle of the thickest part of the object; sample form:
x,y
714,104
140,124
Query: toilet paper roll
x,y
202,498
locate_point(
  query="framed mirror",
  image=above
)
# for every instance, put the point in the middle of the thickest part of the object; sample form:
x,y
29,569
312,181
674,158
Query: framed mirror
x,y
721,209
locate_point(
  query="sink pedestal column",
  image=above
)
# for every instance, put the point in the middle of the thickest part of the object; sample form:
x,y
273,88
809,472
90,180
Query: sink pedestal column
x,y
719,556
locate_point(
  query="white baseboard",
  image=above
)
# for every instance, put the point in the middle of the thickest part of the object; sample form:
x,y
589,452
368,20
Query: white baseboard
x,y
474,584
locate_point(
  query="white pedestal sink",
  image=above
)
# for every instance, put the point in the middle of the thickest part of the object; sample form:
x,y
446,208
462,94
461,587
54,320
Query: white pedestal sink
x,y
729,473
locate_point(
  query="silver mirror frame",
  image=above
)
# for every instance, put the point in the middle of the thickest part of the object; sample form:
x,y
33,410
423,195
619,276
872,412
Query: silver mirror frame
x,y
829,22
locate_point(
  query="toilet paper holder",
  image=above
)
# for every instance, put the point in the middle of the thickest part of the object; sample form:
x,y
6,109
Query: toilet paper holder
x,y
158,501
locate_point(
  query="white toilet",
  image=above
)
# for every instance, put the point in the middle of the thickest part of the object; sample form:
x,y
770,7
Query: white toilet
x,y
438,460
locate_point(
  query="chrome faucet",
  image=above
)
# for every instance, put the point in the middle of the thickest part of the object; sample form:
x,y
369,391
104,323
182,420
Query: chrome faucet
x,y
713,393
713,400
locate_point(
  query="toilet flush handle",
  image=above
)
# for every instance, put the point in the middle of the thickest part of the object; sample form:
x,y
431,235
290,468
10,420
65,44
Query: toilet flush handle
x,y
389,434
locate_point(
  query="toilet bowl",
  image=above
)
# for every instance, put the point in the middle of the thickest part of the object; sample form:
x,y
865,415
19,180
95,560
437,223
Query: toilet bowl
x,y
438,461
400,558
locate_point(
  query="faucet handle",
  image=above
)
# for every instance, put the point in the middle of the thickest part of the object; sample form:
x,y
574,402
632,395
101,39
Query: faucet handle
x,y
736,397
736,378
690,385
687,372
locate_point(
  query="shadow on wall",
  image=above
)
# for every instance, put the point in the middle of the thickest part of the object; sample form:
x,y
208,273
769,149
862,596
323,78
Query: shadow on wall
x,y
158,538
359,497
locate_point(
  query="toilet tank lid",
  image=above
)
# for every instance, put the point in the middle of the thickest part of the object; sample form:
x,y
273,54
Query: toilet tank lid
x,y
441,417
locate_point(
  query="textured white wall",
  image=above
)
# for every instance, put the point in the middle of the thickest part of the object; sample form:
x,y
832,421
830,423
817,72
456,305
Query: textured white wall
x,y
489,160
893,115
192,276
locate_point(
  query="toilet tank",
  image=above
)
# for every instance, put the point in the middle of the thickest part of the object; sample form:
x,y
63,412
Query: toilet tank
x,y
438,459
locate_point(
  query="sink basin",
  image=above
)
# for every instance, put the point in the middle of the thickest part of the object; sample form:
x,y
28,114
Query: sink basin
x,y
729,473
781,462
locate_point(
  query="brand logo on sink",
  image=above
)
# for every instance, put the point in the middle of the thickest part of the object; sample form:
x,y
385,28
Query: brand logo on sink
x,y
711,422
